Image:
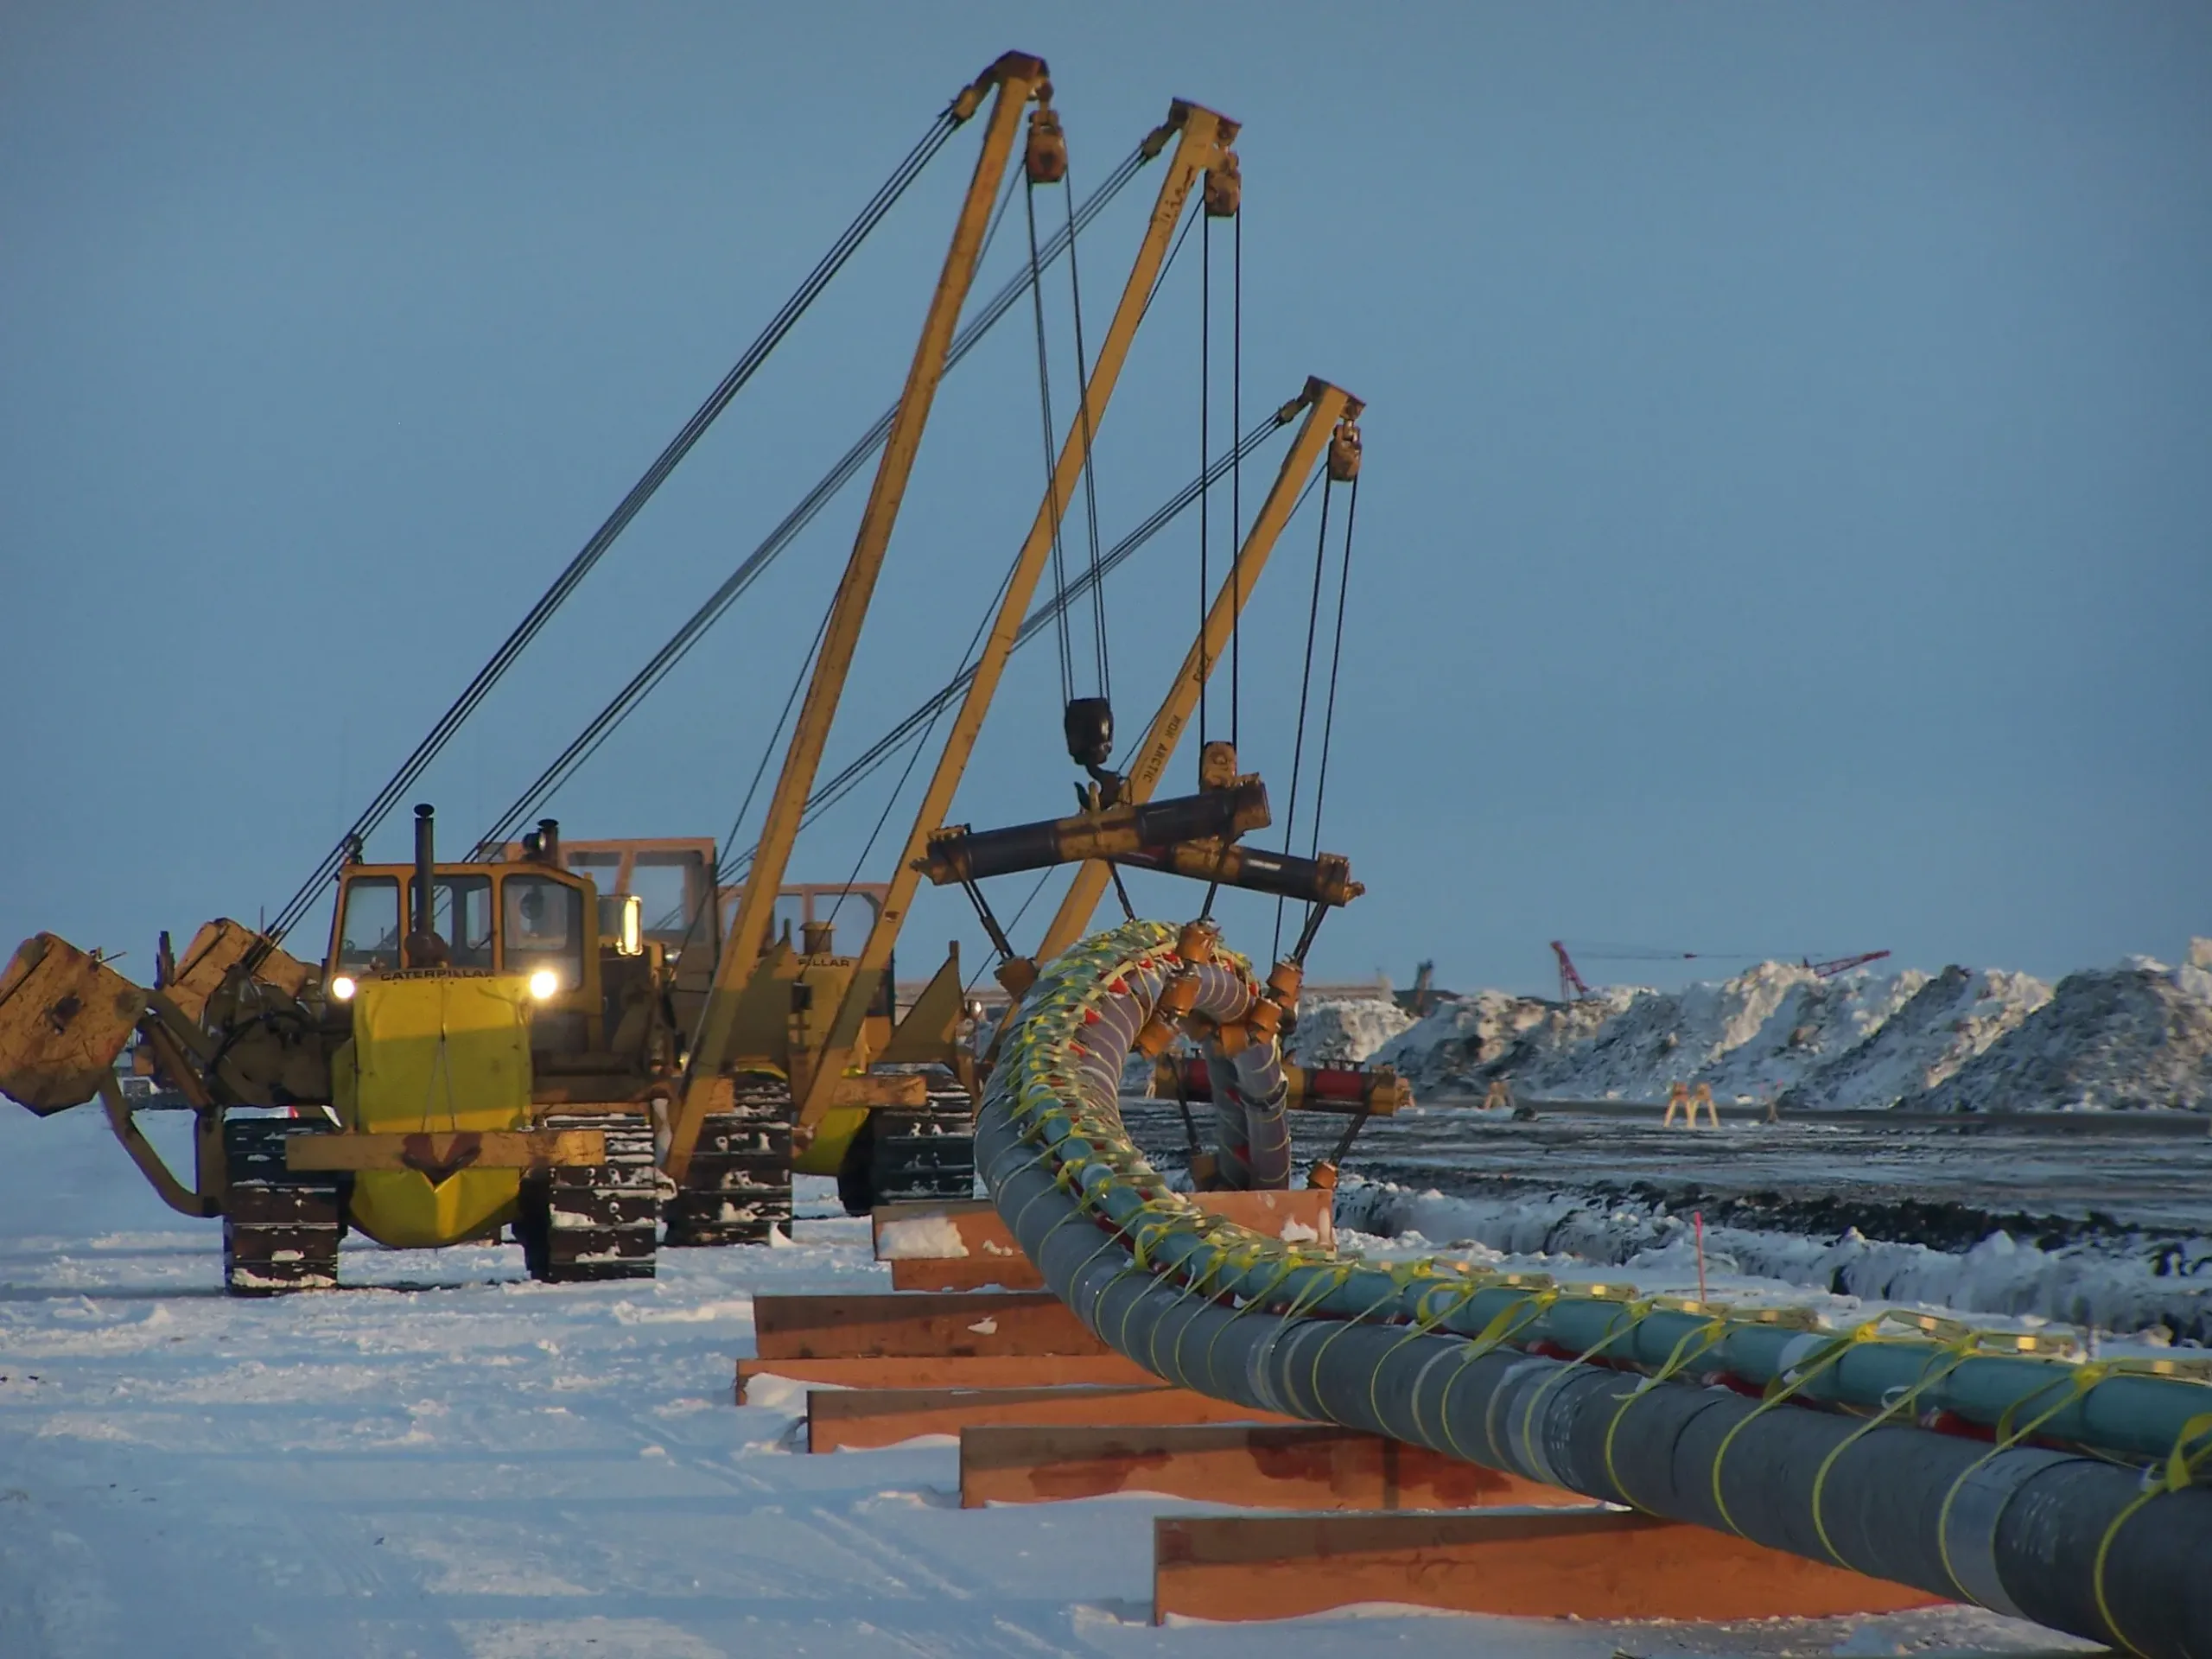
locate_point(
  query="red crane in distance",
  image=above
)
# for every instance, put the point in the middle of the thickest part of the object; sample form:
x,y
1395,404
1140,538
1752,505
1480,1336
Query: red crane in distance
x,y
1572,987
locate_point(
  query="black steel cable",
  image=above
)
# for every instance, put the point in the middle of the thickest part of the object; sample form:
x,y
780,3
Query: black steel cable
x,y
1329,718
1205,512
665,661
1236,478
968,669
1336,663
761,771
768,749
1089,465
1051,482
1036,887
1305,690
828,795
1160,281
580,566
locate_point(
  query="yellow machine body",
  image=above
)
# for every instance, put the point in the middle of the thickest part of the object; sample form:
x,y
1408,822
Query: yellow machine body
x,y
825,1153
435,1054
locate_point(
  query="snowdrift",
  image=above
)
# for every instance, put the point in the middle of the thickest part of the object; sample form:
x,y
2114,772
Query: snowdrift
x,y
1344,1030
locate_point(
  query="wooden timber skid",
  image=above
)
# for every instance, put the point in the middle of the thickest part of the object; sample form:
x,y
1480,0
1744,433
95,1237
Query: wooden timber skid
x,y
969,1344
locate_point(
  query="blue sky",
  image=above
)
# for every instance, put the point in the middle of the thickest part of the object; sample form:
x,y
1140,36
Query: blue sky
x,y
1784,527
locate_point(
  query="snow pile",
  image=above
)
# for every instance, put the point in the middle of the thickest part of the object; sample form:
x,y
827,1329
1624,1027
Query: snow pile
x,y
2138,1036
1764,1031
2131,1037
1345,1030
1466,1043
1947,1022
1811,1026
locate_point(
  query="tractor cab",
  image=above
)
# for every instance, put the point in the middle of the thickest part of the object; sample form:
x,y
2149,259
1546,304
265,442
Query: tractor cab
x,y
533,922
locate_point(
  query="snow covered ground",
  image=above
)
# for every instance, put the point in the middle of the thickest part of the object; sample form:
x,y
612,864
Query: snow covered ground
x,y
452,1463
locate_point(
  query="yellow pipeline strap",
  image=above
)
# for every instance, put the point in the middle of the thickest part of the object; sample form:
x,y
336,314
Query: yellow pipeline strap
x,y
2190,1456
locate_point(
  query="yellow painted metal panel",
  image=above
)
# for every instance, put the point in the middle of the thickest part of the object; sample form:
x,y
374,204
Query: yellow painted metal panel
x,y
827,1150
64,1017
439,1054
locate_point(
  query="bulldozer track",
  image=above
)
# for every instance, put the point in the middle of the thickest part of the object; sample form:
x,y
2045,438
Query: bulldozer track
x,y
738,1190
583,1222
280,1229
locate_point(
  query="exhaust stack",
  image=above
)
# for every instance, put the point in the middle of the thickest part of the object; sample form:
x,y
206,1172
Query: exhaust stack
x,y
424,948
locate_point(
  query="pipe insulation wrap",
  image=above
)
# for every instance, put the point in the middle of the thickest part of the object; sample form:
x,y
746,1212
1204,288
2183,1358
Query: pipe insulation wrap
x,y
2116,1547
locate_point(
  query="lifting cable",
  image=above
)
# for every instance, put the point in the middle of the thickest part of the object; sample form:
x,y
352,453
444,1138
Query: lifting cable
x,y
1051,482
967,672
1315,912
1237,474
1090,462
571,759
578,568
581,565
775,737
1236,477
1305,692
1205,507
829,794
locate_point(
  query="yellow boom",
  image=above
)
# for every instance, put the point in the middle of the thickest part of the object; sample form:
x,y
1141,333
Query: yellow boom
x,y
1016,79
1203,147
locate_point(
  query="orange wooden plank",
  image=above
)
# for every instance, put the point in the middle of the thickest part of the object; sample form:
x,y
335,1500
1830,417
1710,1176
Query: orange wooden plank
x,y
1266,1466
853,1418
1566,1564
960,1324
994,1371
964,1273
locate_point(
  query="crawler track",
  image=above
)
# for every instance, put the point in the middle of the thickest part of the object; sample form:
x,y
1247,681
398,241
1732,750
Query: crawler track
x,y
738,1188
584,1222
281,1231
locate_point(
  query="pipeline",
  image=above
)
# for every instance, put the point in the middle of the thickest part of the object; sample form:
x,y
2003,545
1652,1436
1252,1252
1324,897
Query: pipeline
x,y
1993,1468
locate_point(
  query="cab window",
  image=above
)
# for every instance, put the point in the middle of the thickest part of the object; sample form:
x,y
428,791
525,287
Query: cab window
x,y
460,913
368,932
543,925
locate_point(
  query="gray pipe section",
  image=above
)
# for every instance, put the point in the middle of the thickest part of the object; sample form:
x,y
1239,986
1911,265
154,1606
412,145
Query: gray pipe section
x,y
2027,1531
1250,1090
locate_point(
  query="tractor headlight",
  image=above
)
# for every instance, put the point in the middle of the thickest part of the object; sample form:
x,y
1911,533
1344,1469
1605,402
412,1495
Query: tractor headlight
x,y
545,984
343,987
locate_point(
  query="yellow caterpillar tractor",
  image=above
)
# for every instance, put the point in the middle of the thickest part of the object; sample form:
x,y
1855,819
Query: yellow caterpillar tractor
x,y
900,1128
474,1054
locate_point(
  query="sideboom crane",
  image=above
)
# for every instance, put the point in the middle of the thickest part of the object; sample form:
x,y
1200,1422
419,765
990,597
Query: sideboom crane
x,y
1203,147
1016,79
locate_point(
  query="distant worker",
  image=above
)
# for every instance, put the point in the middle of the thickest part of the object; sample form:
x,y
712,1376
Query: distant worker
x,y
1500,1097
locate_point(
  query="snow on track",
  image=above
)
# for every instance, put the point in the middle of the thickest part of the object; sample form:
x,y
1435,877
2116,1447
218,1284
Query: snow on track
x,y
453,1463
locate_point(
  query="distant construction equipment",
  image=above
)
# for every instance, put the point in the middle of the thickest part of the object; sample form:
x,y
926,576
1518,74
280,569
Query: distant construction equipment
x,y
1573,989
1689,1101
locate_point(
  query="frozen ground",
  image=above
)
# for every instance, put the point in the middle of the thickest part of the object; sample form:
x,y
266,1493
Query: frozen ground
x,y
457,1464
